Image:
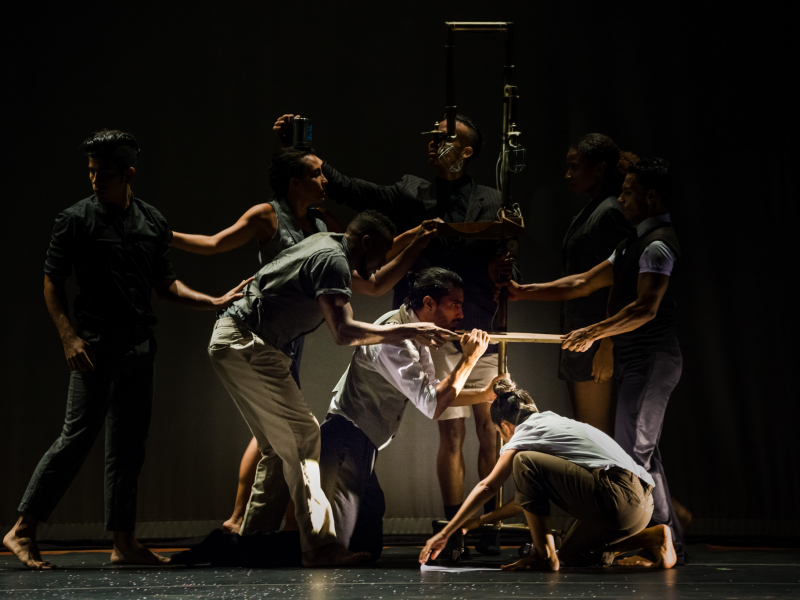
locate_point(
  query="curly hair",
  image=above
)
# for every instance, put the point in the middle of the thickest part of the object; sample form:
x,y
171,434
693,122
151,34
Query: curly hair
x,y
654,174
511,404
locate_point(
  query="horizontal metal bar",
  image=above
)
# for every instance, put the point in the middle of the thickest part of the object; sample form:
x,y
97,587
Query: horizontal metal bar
x,y
478,26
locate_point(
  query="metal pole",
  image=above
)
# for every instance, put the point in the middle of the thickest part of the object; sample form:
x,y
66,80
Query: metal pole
x,y
509,119
450,107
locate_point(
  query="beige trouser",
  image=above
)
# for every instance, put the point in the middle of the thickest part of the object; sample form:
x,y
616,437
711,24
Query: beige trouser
x,y
258,378
446,358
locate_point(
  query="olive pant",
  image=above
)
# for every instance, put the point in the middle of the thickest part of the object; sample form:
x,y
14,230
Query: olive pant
x,y
608,505
258,377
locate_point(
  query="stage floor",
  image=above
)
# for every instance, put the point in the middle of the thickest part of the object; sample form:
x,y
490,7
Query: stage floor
x,y
713,572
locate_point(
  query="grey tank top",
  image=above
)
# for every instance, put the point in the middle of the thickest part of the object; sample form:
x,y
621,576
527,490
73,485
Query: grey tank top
x,y
288,232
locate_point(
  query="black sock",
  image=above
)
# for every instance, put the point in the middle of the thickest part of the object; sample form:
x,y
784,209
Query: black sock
x,y
450,511
490,505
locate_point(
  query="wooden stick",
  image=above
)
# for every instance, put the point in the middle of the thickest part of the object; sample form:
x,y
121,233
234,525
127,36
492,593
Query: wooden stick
x,y
531,338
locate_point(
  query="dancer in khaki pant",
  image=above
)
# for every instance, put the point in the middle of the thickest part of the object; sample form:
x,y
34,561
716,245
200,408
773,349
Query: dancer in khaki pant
x,y
303,286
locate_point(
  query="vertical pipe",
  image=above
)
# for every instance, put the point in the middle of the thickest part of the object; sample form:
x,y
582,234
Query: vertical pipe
x,y
505,191
450,106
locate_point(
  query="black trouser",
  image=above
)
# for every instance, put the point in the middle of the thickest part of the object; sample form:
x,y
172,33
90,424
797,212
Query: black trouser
x,y
118,392
347,469
608,505
645,384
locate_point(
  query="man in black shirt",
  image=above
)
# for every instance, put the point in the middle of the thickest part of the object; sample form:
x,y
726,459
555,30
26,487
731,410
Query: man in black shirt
x,y
453,197
118,246
642,320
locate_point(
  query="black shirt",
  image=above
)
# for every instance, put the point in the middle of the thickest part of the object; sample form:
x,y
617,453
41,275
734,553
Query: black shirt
x,y
452,198
117,257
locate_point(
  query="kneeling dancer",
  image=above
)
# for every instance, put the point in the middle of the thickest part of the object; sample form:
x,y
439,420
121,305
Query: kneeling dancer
x,y
581,470
370,399
291,296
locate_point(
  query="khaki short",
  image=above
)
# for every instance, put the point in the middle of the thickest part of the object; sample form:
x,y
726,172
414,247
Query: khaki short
x,y
445,360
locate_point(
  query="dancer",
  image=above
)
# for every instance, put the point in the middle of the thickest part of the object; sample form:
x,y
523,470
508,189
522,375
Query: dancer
x,y
297,184
118,246
642,321
303,286
581,470
454,197
595,166
370,400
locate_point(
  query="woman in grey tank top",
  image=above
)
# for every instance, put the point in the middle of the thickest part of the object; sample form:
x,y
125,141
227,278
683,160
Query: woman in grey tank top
x,y
298,183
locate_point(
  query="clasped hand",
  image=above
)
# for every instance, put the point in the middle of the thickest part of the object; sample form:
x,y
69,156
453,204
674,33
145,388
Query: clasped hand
x,y
578,341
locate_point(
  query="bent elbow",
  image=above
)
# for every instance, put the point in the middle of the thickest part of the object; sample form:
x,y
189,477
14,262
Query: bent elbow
x,y
342,337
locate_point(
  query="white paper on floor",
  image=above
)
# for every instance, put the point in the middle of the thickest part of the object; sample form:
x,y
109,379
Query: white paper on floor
x,y
425,568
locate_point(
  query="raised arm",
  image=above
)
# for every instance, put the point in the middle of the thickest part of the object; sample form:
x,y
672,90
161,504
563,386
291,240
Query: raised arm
x,y
346,331
388,276
258,222
356,193
78,352
482,492
650,290
566,288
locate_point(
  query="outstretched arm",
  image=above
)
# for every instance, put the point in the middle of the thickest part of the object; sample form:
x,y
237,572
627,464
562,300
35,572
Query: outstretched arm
x,y
508,510
566,288
180,293
478,496
347,331
388,276
650,287
259,222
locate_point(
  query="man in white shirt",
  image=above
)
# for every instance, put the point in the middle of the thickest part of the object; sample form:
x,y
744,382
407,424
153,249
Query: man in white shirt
x,y
581,470
371,397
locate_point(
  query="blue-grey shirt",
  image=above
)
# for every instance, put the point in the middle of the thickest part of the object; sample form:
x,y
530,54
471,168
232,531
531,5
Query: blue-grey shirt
x,y
574,441
280,304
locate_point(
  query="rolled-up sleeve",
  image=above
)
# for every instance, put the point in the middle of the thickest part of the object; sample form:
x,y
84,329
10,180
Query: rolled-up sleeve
x,y
402,365
62,244
326,273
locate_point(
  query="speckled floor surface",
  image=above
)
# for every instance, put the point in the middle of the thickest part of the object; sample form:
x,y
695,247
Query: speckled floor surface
x,y
712,573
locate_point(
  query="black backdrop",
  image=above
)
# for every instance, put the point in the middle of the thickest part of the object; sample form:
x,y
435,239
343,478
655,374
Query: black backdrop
x,y
200,84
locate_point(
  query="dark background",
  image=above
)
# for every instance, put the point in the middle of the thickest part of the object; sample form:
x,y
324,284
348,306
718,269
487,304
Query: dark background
x,y
200,84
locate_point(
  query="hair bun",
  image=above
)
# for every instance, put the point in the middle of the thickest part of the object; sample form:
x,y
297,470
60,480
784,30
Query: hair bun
x,y
626,159
503,386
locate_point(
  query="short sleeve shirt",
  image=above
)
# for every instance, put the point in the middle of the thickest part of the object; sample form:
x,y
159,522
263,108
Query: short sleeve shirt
x,y
326,272
117,257
574,441
657,256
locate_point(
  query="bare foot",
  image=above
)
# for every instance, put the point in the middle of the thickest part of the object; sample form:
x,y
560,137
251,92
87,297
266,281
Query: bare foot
x,y
232,525
136,554
534,563
332,555
25,549
634,561
658,540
